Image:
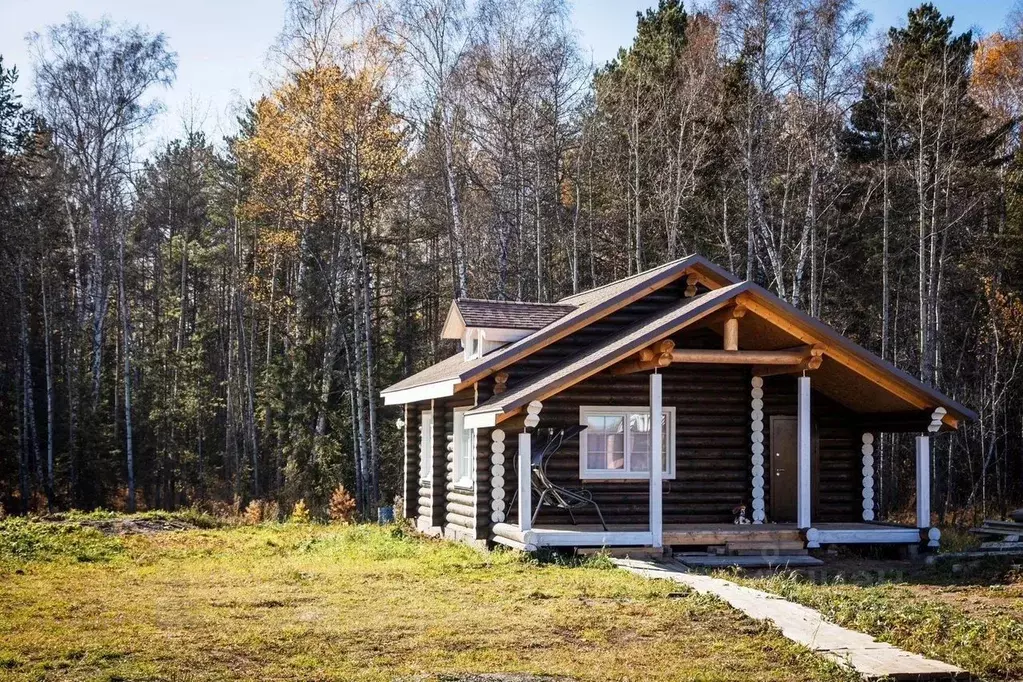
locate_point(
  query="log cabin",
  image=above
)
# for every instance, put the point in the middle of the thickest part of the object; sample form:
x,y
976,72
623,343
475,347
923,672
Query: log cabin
x,y
538,433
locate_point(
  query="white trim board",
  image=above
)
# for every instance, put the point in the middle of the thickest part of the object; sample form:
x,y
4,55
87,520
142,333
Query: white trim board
x,y
510,535
438,389
879,535
485,420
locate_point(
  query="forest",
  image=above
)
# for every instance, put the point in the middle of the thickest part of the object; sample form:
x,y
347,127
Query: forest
x,y
210,324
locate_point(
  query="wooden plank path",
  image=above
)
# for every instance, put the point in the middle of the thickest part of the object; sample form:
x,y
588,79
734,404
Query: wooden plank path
x,y
872,659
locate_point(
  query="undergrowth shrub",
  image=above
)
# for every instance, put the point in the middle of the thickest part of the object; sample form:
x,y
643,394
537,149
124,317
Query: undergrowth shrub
x,y
253,515
271,512
24,539
300,513
342,505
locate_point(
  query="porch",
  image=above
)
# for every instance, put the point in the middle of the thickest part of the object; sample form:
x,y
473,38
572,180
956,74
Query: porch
x,y
780,536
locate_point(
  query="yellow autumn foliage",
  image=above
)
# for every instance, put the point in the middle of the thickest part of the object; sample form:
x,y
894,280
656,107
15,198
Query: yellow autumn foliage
x,y
325,139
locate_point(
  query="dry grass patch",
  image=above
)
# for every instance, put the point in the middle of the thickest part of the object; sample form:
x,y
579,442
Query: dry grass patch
x,y
971,616
310,602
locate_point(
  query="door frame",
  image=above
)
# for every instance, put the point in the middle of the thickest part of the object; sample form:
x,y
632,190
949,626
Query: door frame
x,y
814,464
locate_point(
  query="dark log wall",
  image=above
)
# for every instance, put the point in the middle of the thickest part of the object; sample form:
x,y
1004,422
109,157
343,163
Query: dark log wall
x,y
439,483
411,493
711,435
838,479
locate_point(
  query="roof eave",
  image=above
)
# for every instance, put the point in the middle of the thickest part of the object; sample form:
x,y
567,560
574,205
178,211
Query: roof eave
x,y
932,398
436,389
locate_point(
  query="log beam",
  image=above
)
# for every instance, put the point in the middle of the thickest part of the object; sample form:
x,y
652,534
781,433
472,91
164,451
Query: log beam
x,y
790,356
659,362
732,334
808,364
655,356
691,281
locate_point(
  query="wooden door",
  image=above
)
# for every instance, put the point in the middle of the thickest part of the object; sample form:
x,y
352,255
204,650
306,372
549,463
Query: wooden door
x,y
784,462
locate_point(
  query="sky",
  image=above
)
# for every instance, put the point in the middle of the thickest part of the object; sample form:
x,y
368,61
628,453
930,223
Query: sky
x,y
222,44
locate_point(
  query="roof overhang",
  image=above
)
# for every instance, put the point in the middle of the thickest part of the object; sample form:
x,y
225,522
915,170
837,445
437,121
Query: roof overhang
x,y
596,358
852,375
854,359
437,389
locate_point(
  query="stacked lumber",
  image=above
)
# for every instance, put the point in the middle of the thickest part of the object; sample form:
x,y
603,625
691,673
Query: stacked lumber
x,y
1000,534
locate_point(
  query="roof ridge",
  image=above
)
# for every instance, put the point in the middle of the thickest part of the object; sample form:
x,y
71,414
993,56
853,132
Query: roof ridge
x,y
499,301
626,279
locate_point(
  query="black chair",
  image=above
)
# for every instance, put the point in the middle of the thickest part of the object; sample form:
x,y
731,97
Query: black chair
x,y
554,495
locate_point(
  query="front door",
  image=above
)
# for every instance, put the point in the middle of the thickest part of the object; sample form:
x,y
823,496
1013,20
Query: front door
x,y
784,460
784,463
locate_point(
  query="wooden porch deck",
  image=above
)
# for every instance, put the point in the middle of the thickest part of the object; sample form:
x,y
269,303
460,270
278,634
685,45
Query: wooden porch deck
x,y
702,534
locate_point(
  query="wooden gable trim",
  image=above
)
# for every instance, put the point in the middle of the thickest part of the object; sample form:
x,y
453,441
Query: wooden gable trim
x,y
598,312
584,373
844,357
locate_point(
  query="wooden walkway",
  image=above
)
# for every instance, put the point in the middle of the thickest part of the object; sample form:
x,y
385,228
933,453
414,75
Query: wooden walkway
x,y
873,660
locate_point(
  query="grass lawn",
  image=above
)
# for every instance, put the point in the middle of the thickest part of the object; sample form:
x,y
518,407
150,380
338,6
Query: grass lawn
x,y
971,616
312,602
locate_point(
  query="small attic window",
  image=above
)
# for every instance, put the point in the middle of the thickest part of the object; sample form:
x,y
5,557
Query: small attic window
x,y
472,343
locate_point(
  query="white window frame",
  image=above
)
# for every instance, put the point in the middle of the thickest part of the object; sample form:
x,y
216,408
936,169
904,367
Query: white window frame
x,y
463,472
472,343
426,446
585,473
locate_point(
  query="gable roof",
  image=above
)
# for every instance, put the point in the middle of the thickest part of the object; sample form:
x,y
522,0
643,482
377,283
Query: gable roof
x,y
851,374
791,326
450,375
476,312
600,355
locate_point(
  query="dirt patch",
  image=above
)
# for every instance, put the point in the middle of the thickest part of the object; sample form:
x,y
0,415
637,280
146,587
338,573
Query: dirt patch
x,y
136,526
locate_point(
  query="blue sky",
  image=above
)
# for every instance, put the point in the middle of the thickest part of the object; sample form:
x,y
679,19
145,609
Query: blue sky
x,y
221,44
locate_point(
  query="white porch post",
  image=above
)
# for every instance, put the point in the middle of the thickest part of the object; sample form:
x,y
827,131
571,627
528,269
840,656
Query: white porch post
x,y
656,519
525,485
803,476
923,481
868,476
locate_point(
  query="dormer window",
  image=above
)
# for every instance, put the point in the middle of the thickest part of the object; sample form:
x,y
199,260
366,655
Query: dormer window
x,y
472,344
483,326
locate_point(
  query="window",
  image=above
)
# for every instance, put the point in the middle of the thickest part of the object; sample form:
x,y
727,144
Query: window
x,y
464,450
425,445
616,442
472,344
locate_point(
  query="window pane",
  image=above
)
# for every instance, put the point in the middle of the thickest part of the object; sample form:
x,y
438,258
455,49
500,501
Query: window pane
x,y
605,442
425,444
468,452
665,445
639,442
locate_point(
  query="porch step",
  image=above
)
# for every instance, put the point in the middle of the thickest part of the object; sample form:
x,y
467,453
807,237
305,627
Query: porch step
x,y
624,552
752,547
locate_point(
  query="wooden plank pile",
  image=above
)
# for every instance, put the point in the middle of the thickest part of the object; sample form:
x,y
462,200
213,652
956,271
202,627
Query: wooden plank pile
x,y
1000,535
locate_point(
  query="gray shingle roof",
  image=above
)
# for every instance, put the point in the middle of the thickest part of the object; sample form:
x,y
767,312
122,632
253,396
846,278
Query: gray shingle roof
x,y
607,352
509,314
586,307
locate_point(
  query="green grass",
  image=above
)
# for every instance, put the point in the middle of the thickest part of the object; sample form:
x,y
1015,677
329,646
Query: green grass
x,y
26,540
301,602
972,619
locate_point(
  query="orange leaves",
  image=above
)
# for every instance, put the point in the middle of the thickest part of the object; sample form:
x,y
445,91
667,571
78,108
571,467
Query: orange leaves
x,y
322,135
1005,312
998,73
